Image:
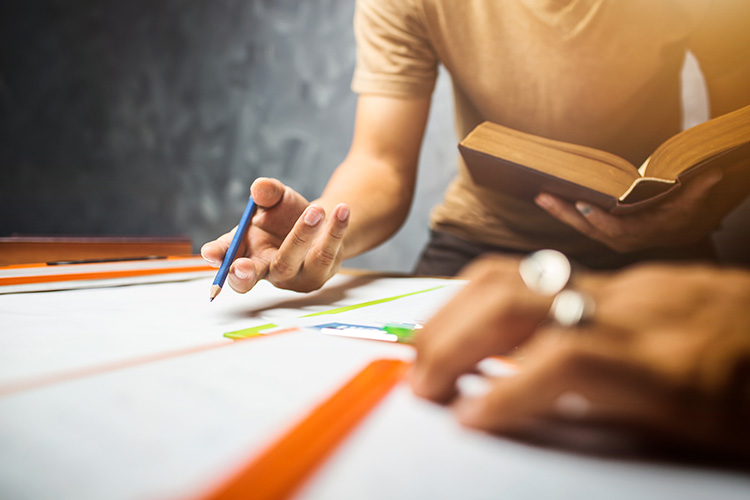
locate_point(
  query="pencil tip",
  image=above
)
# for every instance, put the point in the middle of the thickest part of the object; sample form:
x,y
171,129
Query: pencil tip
x,y
215,289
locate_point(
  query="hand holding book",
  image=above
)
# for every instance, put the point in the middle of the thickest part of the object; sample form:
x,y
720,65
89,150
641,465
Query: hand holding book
x,y
682,219
679,195
523,165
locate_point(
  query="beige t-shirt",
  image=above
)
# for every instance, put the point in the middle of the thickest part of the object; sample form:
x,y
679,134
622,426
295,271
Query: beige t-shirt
x,y
603,73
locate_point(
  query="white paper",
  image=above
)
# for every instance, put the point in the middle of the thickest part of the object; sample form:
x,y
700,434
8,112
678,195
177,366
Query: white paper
x,y
412,449
48,335
175,427
171,428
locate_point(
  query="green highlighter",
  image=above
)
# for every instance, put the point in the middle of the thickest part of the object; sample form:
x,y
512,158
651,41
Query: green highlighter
x,y
404,332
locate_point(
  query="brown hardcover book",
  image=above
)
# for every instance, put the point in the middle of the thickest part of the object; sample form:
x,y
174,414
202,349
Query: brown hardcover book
x,y
523,165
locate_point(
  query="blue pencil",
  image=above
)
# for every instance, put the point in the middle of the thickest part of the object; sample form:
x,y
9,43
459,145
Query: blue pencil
x,y
239,235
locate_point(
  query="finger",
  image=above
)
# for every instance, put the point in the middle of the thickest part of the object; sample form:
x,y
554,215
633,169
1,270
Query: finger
x,y
267,192
245,273
291,254
610,229
213,252
325,252
566,213
694,192
569,382
280,206
503,314
607,225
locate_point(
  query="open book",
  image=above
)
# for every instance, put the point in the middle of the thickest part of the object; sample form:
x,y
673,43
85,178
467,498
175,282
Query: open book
x,y
523,165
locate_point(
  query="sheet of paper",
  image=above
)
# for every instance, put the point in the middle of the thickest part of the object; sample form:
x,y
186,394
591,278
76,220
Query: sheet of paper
x,y
415,301
49,335
175,428
420,296
39,278
171,428
409,448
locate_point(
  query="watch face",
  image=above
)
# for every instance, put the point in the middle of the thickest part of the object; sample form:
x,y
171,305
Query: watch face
x,y
545,272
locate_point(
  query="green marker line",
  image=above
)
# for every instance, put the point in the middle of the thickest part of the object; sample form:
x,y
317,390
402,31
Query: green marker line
x,y
249,332
252,332
370,303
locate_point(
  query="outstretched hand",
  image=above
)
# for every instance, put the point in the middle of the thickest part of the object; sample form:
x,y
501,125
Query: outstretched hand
x,y
664,355
290,243
683,219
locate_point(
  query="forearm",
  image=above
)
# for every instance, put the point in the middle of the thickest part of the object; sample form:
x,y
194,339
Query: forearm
x,y
379,196
377,177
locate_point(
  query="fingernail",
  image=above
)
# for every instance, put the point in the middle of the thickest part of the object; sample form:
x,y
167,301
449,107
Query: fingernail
x,y
210,261
543,201
241,274
312,216
717,176
584,208
473,386
572,405
468,410
343,213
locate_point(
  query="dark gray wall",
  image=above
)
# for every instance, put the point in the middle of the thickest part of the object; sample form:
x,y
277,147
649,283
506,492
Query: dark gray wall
x,y
149,117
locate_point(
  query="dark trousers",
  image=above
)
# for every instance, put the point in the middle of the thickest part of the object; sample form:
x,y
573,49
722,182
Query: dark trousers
x,y
446,254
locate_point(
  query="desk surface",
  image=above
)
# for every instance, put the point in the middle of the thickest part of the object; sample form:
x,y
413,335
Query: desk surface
x,y
102,400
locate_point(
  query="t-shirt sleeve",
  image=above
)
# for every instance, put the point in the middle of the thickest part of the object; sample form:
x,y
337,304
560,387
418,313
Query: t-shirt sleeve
x,y
394,55
721,40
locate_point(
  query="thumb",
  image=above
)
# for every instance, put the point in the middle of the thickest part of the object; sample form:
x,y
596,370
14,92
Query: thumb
x,y
699,187
267,192
281,205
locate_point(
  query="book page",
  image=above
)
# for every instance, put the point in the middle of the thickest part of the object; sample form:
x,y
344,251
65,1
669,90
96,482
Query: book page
x,y
581,165
699,144
646,188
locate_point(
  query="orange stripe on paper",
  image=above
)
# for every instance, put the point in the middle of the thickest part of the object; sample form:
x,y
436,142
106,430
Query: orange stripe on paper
x,y
32,383
102,275
282,468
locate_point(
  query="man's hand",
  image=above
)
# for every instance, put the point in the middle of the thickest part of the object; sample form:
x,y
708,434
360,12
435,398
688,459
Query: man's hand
x,y
666,353
683,219
468,328
295,244
289,242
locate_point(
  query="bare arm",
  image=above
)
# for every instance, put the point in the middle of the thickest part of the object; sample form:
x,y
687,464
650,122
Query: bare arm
x,y
378,176
299,245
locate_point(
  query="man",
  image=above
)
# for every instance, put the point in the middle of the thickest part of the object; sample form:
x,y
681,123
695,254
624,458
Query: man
x,y
602,73
664,357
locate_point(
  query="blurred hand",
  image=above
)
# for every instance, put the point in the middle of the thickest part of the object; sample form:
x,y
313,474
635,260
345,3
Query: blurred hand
x,y
494,313
290,243
666,354
683,218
